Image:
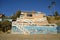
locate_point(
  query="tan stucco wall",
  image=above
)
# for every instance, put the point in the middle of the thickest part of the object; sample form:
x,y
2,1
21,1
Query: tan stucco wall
x,y
34,19
25,19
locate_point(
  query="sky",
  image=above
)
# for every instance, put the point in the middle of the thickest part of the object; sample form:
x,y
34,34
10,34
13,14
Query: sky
x,y
9,7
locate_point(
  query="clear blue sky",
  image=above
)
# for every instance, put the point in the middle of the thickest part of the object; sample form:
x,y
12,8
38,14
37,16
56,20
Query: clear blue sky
x,y
9,7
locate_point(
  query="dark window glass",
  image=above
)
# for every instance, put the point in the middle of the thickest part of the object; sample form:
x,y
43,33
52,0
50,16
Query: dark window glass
x,y
29,15
44,16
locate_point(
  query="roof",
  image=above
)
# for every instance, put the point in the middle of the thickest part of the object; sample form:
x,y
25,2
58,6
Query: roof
x,y
37,12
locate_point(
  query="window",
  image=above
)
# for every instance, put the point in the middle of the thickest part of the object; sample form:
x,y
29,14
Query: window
x,y
44,16
29,15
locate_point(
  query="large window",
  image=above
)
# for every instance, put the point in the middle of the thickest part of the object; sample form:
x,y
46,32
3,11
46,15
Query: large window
x,y
29,15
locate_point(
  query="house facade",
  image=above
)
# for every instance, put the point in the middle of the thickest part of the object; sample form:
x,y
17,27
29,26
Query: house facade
x,y
30,23
34,18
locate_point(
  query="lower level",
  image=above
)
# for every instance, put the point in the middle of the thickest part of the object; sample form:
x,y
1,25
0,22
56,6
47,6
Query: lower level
x,y
33,30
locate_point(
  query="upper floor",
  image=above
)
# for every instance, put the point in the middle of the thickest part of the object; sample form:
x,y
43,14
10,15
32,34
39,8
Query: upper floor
x,y
32,15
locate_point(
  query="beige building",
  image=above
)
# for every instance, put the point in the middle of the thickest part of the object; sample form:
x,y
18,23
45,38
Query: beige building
x,y
32,18
32,22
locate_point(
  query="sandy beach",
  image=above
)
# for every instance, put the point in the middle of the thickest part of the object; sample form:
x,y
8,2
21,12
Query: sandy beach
x,y
30,37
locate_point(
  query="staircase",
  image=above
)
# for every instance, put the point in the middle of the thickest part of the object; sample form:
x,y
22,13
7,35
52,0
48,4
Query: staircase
x,y
22,29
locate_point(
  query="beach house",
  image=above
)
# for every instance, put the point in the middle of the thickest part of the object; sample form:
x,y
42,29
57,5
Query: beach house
x,y
30,23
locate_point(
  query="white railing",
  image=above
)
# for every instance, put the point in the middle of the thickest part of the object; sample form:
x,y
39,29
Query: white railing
x,y
41,19
22,28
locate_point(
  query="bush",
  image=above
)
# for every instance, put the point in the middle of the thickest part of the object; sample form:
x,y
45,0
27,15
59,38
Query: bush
x,y
57,17
58,23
